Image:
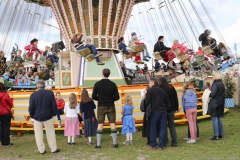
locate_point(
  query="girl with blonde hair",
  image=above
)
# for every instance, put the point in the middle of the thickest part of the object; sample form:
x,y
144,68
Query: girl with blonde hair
x,y
128,126
189,103
72,123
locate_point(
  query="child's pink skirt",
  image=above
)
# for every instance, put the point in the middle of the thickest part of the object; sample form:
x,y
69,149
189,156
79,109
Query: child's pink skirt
x,y
71,126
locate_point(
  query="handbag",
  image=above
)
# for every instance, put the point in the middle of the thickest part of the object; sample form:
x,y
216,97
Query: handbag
x,y
10,112
142,105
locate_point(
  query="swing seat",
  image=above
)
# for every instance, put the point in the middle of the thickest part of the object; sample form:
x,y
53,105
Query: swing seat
x,y
84,52
157,55
138,62
218,61
136,47
178,52
44,77
224,54
182,58
48,62
89,58
200,59
207,50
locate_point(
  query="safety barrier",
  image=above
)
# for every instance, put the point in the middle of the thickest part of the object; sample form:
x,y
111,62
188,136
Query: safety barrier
x,y
22,121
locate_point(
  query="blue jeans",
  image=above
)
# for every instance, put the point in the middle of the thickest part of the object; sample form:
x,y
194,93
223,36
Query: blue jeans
x,y
53,58
217,126
92,48
158,119
59,112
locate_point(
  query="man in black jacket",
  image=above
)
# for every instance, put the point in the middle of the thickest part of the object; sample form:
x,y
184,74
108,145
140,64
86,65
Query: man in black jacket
x,y
42,108
106,92
159,46
160,104
204,38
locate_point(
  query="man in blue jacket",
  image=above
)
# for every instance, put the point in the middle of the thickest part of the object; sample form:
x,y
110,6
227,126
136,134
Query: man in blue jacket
x,y
42,108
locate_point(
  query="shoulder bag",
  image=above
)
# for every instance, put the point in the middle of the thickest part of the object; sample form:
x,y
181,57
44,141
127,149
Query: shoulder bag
x,y
10,112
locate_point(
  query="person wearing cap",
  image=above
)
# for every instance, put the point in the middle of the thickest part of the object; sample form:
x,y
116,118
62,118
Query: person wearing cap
x,y
135,40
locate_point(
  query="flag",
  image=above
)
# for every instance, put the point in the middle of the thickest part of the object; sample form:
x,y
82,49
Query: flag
x,y
235,47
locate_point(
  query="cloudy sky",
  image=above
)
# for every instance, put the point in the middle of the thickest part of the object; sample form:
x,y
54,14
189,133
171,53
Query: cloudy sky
x,y
148,23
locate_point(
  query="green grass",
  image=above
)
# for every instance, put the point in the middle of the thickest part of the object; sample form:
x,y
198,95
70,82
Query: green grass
x,y
227,148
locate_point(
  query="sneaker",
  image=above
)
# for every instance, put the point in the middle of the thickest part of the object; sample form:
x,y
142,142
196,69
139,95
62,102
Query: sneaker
x,y
8,145
220,136
191,141
57,150
100,63
59,123
73,143
43,152
115,145
145,59
98,54
186,139
131,142
98,147
89,143
214,138
148,55
126,142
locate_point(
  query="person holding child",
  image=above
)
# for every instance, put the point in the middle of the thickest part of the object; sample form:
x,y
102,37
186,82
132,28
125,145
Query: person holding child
x,y
87,107
128,126
72,110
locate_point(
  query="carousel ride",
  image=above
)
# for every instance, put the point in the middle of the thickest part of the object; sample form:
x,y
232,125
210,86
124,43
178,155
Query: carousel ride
x,y
102,24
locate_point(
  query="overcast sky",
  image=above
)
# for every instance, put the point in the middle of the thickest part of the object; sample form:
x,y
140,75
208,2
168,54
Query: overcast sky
x,y
150,25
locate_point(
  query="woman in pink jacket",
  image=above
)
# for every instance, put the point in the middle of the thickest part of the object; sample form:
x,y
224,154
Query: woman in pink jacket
x,y
32,50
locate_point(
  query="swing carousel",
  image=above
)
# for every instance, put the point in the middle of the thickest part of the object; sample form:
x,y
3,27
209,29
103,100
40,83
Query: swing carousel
x,y
102,23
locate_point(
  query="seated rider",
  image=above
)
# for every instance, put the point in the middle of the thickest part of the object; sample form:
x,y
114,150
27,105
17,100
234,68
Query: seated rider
x,y
204,38
2,58
78,44
135,40
53,57
125,72
156,67
164,51
32,50
18,57
47,52
123,47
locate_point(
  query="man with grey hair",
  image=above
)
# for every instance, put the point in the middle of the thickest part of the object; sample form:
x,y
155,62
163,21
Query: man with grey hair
x,y
42,108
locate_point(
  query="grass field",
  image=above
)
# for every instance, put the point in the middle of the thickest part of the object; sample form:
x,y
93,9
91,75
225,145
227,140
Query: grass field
x,y
227,148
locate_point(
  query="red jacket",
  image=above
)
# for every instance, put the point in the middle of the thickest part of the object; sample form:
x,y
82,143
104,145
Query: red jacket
x,y
60,104
32,49
6,103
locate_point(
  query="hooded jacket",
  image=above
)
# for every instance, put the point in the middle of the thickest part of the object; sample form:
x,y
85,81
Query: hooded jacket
x,y
189,99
